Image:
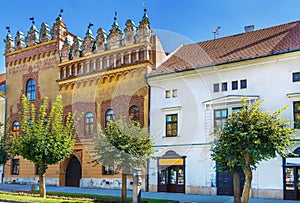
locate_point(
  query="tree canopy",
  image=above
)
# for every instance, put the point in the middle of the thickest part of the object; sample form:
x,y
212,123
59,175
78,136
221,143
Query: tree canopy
x,y
248,137
124,144
4,156
46,138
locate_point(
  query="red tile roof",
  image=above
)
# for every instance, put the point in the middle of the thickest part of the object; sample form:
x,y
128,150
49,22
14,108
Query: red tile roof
x,y
2,79
264,42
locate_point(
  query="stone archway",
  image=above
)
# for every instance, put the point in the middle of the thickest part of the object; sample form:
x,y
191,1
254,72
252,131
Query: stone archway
x,y
73,172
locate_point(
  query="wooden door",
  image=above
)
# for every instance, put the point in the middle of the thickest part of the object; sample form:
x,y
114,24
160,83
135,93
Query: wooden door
x,y
225,183
73,173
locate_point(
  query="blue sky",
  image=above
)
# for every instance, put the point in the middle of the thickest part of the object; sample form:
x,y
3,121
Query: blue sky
x,y
175,21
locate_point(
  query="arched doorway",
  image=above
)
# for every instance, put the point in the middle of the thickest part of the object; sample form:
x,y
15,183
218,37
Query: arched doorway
x,y
73,172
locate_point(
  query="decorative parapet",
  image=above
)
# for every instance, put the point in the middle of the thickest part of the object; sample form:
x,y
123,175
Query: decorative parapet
x,y
71,47
45,34
9,44
32,37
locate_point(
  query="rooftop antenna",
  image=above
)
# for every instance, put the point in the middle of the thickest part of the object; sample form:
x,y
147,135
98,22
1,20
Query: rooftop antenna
x,y
8,29
216,31
60,12
32,20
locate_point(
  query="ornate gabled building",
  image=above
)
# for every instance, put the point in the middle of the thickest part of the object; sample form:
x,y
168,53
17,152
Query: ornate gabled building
x,y
100,77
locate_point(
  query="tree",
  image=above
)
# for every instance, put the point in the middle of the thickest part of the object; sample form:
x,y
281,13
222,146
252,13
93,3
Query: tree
x,y
44,138
248,137
4,156
126,145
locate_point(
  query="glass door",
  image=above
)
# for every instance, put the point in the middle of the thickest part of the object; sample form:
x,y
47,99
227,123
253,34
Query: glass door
x,y
163,180
176,179
171,179
291,186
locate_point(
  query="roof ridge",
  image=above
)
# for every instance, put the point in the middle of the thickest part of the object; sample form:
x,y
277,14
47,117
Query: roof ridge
x,y
277,39
238,34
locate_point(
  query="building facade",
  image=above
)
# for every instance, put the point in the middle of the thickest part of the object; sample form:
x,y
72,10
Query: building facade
x,y
199,85
101,78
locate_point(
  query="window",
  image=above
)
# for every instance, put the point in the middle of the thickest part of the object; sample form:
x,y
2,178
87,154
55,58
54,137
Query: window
x,y
171,123
224,86
216,87
109,116
243,84
236,109
234,85
15,166
174,93
16,128
30,89
89,124
108,170
220,117
134,113
296,77
297,115
168,93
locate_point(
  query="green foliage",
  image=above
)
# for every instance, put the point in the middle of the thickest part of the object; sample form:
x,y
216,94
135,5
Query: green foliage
x,y
124,143
253,132
3,148
44,138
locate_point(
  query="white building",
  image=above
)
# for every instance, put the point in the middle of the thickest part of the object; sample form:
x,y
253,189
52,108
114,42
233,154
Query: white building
x,y
194,90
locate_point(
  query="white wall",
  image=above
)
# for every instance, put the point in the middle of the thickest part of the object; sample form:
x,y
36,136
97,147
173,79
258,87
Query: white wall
x,y
271,80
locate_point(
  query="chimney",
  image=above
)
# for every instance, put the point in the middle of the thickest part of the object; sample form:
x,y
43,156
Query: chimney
x,y
249,28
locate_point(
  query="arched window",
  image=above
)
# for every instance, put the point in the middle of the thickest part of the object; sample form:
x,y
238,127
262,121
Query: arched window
x,y
89,124
134,113
30,89
16,128
109,116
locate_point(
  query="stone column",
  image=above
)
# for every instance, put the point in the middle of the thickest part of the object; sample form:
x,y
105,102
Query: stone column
x,y
65,72
70,71
100,64
76,69
137,56
146,55
115,60
129,58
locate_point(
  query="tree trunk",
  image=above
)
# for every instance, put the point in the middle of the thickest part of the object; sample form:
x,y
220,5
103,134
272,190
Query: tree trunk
x,y
248,179
124,187
42,185
236,188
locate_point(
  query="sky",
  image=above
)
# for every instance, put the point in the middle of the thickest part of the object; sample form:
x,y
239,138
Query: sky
x,y
174,21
